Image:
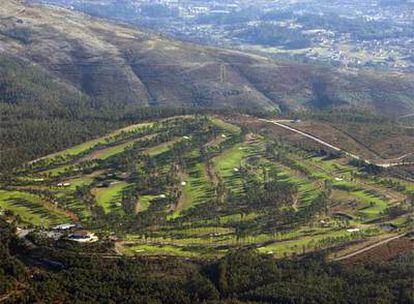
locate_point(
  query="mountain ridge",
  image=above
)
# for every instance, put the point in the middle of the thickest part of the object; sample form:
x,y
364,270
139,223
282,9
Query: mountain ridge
x,y
116,64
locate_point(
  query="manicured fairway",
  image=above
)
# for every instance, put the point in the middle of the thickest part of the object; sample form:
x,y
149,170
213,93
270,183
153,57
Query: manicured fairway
x,y
110,197
185,184
226,126
31,208
144,202
89,144
161,148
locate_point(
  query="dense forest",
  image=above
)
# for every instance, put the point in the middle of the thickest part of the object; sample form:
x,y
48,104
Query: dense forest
x,y
242,276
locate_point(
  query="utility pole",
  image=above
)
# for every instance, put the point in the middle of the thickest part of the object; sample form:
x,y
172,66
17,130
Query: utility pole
x,y
223,73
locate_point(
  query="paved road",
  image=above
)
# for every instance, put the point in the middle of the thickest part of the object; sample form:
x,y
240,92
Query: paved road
x,y
369,248
408,115
383,164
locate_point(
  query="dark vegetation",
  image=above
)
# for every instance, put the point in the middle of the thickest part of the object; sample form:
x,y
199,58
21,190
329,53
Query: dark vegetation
x,y
198,186
242,276
57,90
46,106
384,136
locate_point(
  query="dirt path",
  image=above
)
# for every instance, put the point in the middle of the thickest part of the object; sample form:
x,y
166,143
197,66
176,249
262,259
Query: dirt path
x,y
383,164
183,177
350,255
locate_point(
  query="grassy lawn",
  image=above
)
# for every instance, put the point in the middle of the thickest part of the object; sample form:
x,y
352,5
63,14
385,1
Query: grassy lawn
x,y
227,164
109,197
111,151
31,208
75,150
280,249
150,250
162,148
81,181
201,232
197,189
57,171
368,205
376,205
144,202
132,128
306,188
82,147
226,126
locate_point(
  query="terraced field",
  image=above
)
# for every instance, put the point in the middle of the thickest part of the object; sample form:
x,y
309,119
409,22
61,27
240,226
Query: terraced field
x,y
199,186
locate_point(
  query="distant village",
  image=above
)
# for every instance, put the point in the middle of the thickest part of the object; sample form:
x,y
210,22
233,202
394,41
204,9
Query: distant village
x,y
208,22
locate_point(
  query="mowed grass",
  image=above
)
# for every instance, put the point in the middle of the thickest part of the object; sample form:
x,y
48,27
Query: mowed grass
x,y
75,150
81,181
110,197
373,206
296,246
111,151
197,189
152,250
58,171
161,148
107,152
226,126
31,208
227,163
306,189
144,201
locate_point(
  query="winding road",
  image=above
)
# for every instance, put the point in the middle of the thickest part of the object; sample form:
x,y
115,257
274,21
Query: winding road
x,y
384,164
350,255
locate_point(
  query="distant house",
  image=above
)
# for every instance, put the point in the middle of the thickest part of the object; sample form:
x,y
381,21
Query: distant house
x,y
63,184
64,227
353,230
83,236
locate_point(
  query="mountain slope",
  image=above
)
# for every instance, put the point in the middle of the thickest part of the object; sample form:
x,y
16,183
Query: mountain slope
x,y
119,65
66,77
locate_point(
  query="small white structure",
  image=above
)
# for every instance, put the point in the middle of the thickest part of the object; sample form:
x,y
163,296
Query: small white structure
x,y
183,183
64,226
223,136
63,184
353,230
236,169
186,137
338,179
163,196
83,237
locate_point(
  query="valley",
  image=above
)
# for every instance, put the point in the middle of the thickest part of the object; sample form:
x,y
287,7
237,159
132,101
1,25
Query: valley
x,y
272,163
